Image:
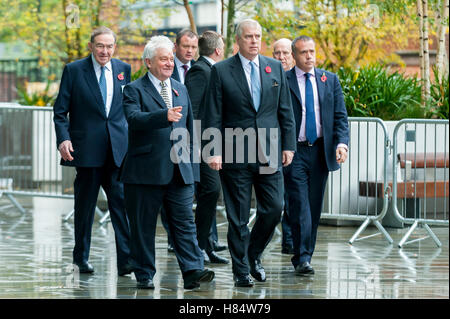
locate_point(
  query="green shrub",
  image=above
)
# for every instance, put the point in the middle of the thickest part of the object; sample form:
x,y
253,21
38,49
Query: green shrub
x,y
439,92
373,91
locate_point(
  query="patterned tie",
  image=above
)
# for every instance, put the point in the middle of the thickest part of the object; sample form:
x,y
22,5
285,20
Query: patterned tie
x,y
311,134
256,86
185,67
165,94
102,83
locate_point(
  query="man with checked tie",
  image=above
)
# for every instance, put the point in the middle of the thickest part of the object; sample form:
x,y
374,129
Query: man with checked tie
x,y
322,138
158,170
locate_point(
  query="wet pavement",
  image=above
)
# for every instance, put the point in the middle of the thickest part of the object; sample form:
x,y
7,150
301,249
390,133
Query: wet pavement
x,y
36,254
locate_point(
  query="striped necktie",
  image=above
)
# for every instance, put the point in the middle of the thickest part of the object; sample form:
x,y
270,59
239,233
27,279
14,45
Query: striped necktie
x,y
165,94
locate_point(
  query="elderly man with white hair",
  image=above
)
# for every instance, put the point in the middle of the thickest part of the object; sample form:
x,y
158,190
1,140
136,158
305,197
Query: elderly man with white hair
x,y
155,176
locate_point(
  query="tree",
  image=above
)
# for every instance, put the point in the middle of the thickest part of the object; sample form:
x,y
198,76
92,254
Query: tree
x,y
346,32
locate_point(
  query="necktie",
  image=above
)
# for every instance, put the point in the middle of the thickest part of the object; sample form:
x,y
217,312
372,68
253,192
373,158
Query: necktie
x,y
311,134
165,94
185,67
102,84
256,86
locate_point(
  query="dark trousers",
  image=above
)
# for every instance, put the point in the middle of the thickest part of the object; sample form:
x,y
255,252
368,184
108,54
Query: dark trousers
x,y
305,181
237,191
86,186
143,203
286,236
207,194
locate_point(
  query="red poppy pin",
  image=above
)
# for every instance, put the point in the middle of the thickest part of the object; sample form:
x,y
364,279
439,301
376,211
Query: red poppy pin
x,y
120,76
176,92
268,69
323,78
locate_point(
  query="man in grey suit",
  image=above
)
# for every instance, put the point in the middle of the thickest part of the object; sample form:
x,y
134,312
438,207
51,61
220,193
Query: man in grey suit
x,y
249,104
157,170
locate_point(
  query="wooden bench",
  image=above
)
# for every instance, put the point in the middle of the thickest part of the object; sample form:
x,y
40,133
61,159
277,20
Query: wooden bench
x,y
409,186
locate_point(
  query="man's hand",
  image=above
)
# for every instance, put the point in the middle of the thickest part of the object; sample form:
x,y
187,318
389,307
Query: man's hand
x,y
215,162
174,114
341,155
65,148
287,157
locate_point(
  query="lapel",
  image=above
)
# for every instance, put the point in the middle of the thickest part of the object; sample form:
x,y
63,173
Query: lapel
x,y
150,89
293,84
321,87
176,98
266,83
91,80
238,74
116,85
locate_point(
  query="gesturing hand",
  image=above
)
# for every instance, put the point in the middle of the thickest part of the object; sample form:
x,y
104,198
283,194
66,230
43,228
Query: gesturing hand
x,y
174,114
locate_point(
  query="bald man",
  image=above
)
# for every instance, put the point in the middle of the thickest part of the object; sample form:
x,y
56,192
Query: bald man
x,y
282,51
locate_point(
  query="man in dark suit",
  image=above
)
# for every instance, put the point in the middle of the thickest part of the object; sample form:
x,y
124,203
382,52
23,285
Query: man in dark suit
x,y
208,189
93,139
157,170
186,44
248,102
322,139
282,52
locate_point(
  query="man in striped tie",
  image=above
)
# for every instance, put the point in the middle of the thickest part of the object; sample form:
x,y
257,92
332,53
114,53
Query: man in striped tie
x,y
158,170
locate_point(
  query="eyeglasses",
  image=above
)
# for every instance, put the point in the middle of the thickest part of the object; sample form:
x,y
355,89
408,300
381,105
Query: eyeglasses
x,y
100,46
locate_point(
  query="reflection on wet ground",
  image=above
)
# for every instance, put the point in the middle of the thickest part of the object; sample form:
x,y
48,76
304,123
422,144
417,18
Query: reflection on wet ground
x,y
36,255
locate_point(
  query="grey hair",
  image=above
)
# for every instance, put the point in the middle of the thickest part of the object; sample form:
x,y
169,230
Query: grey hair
x,y
245,22
102,30
208,42
156,42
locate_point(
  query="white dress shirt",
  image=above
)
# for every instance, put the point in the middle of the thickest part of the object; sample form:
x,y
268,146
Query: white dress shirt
x,y
179,66
109,81
157,84
209,59
248,69
301,80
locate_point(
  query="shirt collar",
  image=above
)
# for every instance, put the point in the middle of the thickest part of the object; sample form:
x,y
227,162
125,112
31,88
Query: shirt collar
x,y
207,58
301,74
157,82
97,66
246,61
179,63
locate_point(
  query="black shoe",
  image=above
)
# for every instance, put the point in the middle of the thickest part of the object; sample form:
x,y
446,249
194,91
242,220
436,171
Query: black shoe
x,y
216,259
257,270
126,270
84,268
243,281
170,248
304,269
193,278
287,250
145,284
205,257
218,246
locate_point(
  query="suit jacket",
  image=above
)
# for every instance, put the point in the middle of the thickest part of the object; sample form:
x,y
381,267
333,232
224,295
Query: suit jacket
x,y
332,111
175,75
230,105
196,81
148,160
88,128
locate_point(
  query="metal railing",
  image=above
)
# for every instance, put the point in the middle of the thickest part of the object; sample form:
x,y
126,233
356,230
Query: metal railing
x,y
420,175
355,193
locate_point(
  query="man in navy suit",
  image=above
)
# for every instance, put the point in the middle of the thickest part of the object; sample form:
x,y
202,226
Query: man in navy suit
x,y
158,168
93,139
249,98
186,44
322,139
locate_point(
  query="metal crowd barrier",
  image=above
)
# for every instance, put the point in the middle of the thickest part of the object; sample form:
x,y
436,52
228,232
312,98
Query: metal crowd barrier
x,y
29,159
420,175
359,191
